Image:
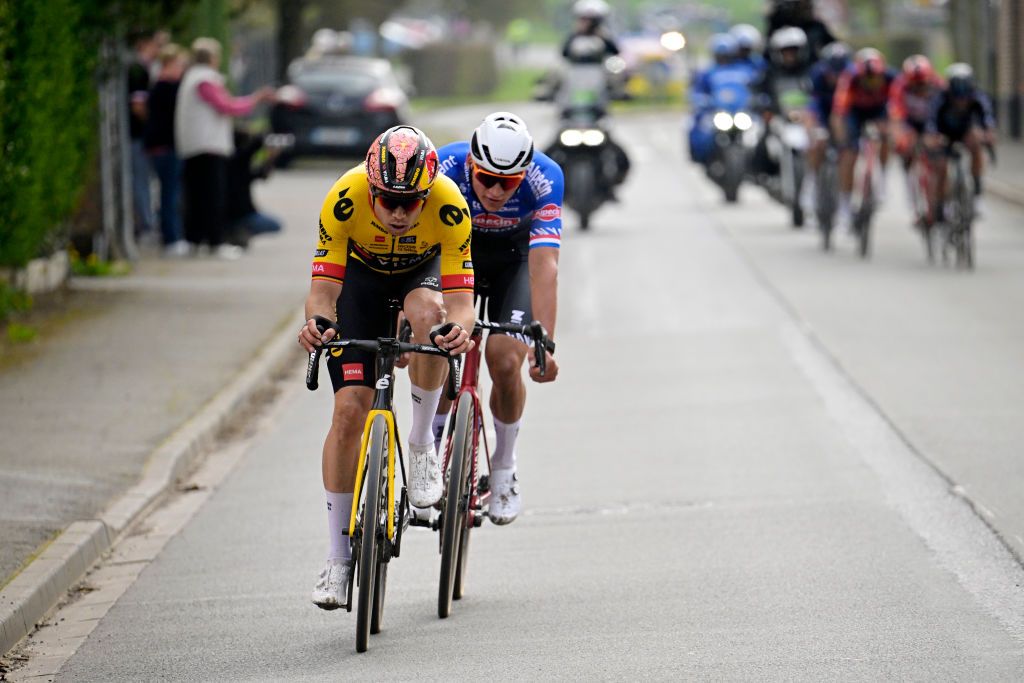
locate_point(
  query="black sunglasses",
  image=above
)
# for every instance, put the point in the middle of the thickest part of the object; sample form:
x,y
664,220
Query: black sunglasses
x,y
393,202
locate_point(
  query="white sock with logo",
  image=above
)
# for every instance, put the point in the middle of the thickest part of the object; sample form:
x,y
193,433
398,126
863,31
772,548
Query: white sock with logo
x,y
504,455
424,408
438,428
339,513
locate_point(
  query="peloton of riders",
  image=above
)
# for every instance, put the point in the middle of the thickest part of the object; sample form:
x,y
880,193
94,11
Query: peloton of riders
x,y
840,93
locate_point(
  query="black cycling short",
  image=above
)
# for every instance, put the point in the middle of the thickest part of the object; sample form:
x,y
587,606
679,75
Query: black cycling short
x,y
363,313
506,284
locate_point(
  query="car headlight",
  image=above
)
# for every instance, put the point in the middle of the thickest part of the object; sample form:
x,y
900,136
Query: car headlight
x,y
743,120
571,138
722,121
593,138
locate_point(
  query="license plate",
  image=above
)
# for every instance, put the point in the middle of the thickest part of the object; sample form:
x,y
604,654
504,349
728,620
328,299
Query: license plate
x,y
335,136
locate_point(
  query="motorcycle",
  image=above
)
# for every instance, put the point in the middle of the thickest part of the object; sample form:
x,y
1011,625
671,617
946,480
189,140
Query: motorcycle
x,y
734,136
583,149
787,144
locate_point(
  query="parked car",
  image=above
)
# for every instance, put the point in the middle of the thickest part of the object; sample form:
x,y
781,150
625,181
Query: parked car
x,y
338,105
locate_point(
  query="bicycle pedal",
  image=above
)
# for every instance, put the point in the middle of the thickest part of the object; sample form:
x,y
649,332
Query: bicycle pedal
x,y
484,485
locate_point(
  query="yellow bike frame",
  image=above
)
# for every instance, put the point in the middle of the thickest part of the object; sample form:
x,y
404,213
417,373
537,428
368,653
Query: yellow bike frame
x,y
389,418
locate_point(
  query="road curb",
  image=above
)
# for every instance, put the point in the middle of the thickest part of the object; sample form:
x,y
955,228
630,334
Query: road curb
x,y
37,588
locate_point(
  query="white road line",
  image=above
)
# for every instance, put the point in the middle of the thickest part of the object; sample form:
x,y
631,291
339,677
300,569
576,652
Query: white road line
x,y
962,543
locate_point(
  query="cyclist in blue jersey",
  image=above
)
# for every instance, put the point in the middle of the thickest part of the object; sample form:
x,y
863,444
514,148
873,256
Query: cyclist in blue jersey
x,y
749,45
515,200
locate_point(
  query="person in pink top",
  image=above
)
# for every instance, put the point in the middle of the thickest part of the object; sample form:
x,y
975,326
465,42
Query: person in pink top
x,y
203,134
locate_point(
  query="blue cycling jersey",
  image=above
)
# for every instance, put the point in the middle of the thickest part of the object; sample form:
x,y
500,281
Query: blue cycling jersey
x,y
533,213
724,86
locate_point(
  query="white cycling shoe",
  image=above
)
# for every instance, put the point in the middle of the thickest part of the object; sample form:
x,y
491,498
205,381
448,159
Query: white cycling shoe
x,y
505,501
331,590
425,484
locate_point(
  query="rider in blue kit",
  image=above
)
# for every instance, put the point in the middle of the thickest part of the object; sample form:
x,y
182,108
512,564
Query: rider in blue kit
x,y
514,195
725,86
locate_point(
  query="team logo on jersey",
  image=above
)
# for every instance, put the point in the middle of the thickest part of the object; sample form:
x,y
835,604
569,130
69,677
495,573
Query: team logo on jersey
x,y
380,238
493,220
320,253
343,209
324,237
467,264
452,215
407,239
352,372
548,212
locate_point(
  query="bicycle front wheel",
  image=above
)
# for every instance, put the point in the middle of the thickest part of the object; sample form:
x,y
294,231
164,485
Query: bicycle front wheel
x,y
453,515
374,504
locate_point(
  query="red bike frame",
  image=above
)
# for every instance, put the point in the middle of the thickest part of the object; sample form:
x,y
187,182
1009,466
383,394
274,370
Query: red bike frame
x,y
469,390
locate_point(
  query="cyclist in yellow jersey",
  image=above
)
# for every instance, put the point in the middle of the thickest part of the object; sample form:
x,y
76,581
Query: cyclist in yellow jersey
x,y
390,228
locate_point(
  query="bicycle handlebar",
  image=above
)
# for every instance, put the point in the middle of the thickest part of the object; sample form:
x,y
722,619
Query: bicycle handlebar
x,y
374,346
533,330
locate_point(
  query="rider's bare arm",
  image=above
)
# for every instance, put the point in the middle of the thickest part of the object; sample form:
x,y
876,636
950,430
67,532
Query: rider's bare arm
x,y
544,299
544,286
322,300
459,309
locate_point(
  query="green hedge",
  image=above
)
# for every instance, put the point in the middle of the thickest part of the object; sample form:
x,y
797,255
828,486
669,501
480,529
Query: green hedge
x,y
47,122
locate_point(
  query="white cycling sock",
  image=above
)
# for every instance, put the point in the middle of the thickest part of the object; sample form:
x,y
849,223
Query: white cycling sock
x,y
339,513
504,455
424,407
438,428
844,203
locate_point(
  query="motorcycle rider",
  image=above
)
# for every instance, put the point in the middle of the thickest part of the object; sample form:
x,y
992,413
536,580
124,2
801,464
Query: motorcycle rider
x,y
585,88
799,13
784,87
724,84
749,45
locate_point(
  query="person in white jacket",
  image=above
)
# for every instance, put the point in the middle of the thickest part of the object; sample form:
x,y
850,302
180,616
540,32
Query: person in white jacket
x,y
204,140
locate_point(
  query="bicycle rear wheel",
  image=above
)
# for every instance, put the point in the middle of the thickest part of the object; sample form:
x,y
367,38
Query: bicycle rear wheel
x,y
374,501
455,503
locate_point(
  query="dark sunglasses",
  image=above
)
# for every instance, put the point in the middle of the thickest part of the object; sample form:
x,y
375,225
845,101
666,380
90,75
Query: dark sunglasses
x,y
393,202
489,180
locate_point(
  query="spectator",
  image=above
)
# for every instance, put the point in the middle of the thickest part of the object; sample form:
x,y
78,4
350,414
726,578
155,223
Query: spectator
x,y
144,52
203,136
159,142
245,220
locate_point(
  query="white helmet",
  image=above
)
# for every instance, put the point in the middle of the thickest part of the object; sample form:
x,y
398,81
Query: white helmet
x,y
788,37
591,9
501,144
747,36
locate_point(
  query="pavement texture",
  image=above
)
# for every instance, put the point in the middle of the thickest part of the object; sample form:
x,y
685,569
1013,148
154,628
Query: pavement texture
x,y
755,465
87,410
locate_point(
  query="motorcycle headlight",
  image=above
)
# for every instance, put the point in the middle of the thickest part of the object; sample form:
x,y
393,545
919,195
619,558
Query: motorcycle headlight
x,y
571,137
743,121
593,138
722,121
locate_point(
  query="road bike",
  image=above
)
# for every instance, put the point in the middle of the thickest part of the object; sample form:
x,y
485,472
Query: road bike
x,y
959,206
922,180
826,188
376,523
467,491
866,176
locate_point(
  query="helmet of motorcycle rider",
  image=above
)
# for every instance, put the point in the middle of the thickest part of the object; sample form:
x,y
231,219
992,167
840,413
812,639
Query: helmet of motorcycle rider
x,y
960,77
869,62
501,144
401,161
595,10
747,37
787,38
837,55
918,69
722,46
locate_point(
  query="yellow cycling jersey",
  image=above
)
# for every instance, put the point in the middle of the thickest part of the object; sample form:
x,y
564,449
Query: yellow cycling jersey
x,y
349,228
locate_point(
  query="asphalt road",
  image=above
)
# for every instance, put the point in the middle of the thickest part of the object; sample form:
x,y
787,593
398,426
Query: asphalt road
x,y
758,462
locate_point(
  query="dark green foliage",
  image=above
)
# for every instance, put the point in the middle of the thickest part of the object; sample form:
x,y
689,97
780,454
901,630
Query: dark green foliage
x,y
47,121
